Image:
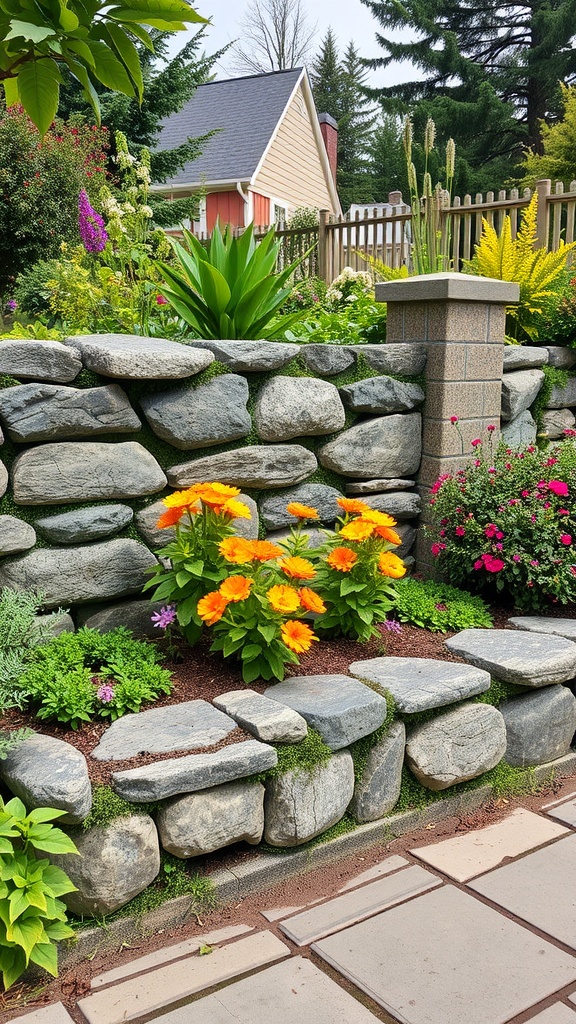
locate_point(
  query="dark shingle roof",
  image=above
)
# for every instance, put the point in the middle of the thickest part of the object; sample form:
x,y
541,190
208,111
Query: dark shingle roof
x,y
246,110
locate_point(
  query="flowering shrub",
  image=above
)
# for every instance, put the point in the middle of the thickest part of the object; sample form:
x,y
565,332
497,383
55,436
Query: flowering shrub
x,y
507,522
349,286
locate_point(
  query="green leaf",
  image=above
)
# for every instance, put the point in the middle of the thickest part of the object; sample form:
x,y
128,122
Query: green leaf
x,y
16,809
13,963
28,31
17,904
251,651
59,930
109,70
11,91
348,586
57,841
128,54
43,814
196,568
68,20
45,955
26,932
5,846
38,89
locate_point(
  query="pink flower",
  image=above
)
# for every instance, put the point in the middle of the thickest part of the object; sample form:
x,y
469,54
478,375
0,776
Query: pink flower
x,y
569,433
558,487
460,531
490,427
491,530
499,547
438,483
525,494
551,462
437,548
477,462
534,562
161,301
453,419
476,442
494,565
516,558
479,564
566,539
563,511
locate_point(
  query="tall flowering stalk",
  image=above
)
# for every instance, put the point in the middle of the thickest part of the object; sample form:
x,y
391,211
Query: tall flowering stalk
x,y
431,228
90,225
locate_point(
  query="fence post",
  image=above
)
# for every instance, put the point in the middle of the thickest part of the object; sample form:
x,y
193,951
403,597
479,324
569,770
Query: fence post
x,y
543,188
322,246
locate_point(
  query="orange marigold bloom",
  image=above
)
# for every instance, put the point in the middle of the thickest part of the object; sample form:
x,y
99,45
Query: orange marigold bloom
x,y
182,499
310,600
358,529
236,588
215,491
236,549
390,564
211,608
387,534
343,559
298,568
297,636
283,598
236,509
170,517
302,511
264,550
371,515
352,504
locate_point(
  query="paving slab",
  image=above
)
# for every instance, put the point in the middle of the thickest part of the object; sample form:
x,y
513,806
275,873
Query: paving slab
x,y
540,888
543,624
266,719
418,684
358,904
530,659
386,867
295,992
446,957
564,811
465,856
557,1014
53,1014
191,725
176,981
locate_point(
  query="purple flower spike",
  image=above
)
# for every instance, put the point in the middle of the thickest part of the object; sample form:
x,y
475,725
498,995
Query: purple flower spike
x,y
392,626
91,226
165,617
105,693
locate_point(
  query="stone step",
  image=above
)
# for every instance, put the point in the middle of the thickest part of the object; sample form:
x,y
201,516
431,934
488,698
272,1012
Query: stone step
x,y
517,657
340,708
265,718
192,724
545,624
417,684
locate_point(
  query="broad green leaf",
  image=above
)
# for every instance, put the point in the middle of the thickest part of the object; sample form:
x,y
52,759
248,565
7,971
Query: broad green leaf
x,y
82,49
59,930
251,651
12,964
11,91
16,808
109,70
128,54
28,31
17,904
45,955
58,881
43,814
38,88
26,933
68,19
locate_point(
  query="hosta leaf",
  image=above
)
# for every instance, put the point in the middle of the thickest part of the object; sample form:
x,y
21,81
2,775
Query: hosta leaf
x,y
45,955
13,963
26,932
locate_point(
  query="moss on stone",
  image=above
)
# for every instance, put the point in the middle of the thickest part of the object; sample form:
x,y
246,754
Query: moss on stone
x,y
301,757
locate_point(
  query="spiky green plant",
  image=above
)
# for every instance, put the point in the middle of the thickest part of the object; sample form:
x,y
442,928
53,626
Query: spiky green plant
x,y
431,228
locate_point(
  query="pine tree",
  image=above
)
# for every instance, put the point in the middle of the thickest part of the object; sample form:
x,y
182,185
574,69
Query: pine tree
x,y
558,159
326,77
387,162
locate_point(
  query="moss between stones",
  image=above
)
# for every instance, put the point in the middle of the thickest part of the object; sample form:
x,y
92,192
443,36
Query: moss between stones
x,y
360,750
553,378
301,757
107,805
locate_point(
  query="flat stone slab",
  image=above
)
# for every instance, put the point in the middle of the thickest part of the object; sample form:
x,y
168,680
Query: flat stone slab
x,y
273,465
47,772
465,856
40,360
322,497
378,395
540,888
295,992
198,417
381,446
557,1014
252,356
326,360
376,486
345,910
48,412
55,1013
417,684
85,524
386,867
561,357
173,982
194,723
522,658
395,357
288,407
564,810
194,772
266,719
15,535
444,955
545,624
523,357
199,823
136,358
340,708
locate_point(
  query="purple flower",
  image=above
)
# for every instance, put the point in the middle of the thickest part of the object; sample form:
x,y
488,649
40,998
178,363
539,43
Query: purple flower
x,y
105,693
90,225
392,626
165,617
11,306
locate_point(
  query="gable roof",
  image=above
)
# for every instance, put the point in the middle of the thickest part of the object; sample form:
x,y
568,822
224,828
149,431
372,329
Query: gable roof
x,y
247,110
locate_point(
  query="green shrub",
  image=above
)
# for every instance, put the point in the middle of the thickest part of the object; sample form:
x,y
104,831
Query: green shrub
x,y
20,633
360,323
439,606
559,320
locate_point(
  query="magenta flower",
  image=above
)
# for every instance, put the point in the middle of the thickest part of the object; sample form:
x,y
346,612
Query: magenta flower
x,y
516,558
437,548
11,306
392,626
460,531
165,617
476,442
558,487
566,539
105,693
161,301
90,225
453,419
563,512
491,427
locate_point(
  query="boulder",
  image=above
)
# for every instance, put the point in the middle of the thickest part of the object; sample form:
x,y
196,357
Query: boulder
x,y
378,789
39,360
116,862
15,535
545,624
521,431
523,357
251,356
340,708
56,622
381,395
49,412
278,465
456,746
194,724
555,421
418,684
377,486
289,407
319,496
47,772
266,719
194,825
301,804
76,575
3,478
524,658
134,357
540,726
198,417
400,504
134,615
326,360
519,389
561,357
70,471
157,538
407,534
385,446
84,524
562,397
407,359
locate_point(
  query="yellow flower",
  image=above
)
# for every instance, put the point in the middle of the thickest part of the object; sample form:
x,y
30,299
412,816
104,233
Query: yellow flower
x,y
264,550
170,517
343,559
235,588
236,549
371,515
236,509
390,565
211,608
352,504
357,530
302,511
311,601
181,499
297,636
298,568
283,599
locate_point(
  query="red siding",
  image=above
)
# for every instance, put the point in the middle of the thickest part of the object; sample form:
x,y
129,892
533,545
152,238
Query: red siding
x,y
261,209
228,207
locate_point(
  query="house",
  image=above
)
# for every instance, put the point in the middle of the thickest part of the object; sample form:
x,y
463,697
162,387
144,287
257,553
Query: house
x,y
271,154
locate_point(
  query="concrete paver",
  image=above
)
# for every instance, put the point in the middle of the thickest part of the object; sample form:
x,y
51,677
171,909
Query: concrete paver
x,y
358,904
565,811
464,856
53,1014
557,1014
384,868
446,957
294,992
147,993
540,888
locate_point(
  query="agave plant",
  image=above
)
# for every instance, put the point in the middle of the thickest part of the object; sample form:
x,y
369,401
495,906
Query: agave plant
x,y
229,290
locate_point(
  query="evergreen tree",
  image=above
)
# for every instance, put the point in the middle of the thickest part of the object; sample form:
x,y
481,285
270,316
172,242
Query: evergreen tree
x,y
558,160
387,162
326,77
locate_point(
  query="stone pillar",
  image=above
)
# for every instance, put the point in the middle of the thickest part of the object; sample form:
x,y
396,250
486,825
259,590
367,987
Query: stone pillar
x,y
460,320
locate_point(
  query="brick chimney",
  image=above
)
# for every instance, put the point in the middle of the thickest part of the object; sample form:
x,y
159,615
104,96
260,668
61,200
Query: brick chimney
x,y
329,129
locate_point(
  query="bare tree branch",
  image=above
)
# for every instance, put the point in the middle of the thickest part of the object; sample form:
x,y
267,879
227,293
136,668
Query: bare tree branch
x,y
276,35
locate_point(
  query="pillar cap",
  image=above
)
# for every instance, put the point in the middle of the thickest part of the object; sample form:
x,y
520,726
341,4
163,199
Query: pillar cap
x,y
448,286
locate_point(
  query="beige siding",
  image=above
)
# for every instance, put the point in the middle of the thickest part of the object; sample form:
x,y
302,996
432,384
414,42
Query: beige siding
x,y
292,171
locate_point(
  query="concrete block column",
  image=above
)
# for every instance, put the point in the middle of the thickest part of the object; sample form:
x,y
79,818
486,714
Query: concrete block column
x,y
459,319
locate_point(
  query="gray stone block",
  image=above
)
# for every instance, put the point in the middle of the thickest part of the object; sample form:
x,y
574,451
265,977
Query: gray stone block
x,y
379,395
64,576
133,357
56,622
521,431
377,486
407,533
15,535
251,356
540,726
301,804
384,446
555,421
406,359
524,658
563,396
274,465
134,615
191,725
85,524
47,772
319,496
49,412
550,625
418,684
289,407
561,357
194,825
3,478
326,360
199,417
194,772
519,389
456,746
400,504
378,790
69,471
524,357
265,718
39,360
340,708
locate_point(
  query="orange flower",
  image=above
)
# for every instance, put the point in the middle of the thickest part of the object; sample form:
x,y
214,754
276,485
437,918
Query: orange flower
x,y
387,534
283,599
170,517
236,509
357,530
298,568
264,550
311,601
390,565
352,504
236,549
235,588
182,499
211,608
297,636
215,492
302,511
343,559
371,515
